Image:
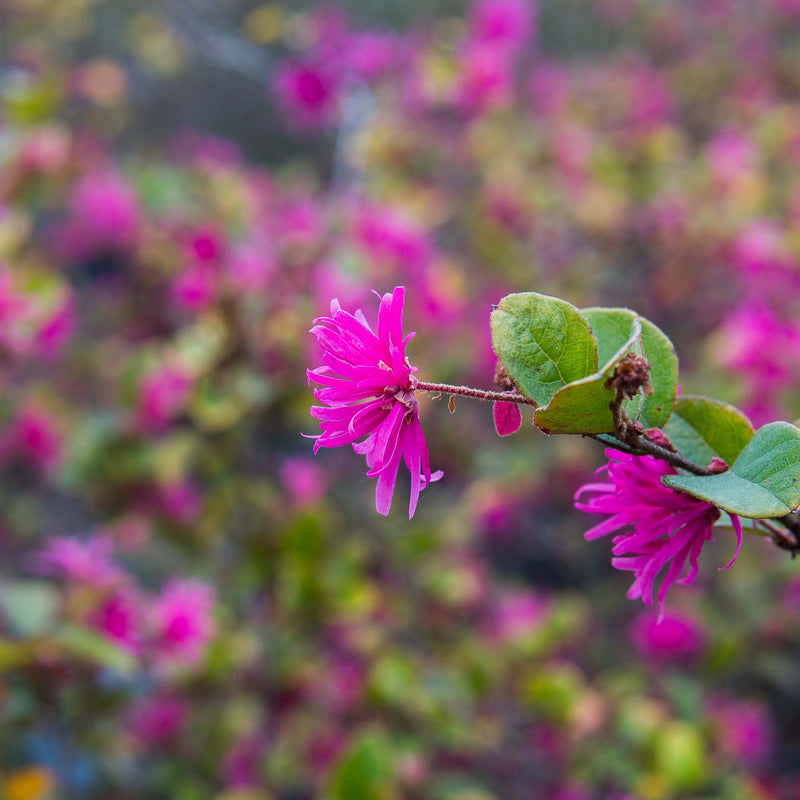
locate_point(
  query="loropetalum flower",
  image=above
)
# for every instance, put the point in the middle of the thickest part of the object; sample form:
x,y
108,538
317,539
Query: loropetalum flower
x,y
182,622
368,390
656,526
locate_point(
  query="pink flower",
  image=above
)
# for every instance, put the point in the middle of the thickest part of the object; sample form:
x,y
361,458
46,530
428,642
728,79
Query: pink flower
x,y
240,767
162,396
118,617
251,266
304,481
157,720
755,342
673,638
182,622
371,54
368,390
105,214
195,288
309,91
181,501
389,237
35,437
14,308
516,615
730,156
86,561
668,527
745,730
57,329
549,89
485,80
506,23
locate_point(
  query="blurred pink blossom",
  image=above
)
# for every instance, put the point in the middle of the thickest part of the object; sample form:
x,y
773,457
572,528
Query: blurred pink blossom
x,y
516,614
485,80
104,214
57,329
549,89
88,560
390,237
182,623
730,155
158,719
195,287
304,480
34,435
46,149
206,244
504,23
162,396
677,637
371,55
310,92
299,222
651,99
760,248
241,765
745,730
755,342
119,617
251,266
14,309
182,501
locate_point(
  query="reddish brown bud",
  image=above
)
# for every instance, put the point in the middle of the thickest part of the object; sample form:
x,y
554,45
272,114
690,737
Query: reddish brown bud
x,y
501,379
657,436
718,465
630,375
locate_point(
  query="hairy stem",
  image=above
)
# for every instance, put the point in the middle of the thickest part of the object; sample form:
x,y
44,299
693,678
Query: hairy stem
x,y
476,394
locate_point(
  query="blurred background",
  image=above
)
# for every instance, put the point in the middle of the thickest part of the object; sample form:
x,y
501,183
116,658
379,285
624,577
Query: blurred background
x,y
194,606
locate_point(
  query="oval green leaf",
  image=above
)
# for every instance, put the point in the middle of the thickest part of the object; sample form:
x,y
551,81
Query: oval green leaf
x,y
702,428
543,342
611,326
584,406
764,481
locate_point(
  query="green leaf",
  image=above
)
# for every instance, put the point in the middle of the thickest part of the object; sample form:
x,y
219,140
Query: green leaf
x,y
611,327
702,428
15,654
363,771
584,406
680,755
94,647
764,481
543,342
30,606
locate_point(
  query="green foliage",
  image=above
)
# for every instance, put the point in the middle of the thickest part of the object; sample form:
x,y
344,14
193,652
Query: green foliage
x,y
85,644
611,327
762,483
543,342
584,406
30,607
364,771
680,756
703,428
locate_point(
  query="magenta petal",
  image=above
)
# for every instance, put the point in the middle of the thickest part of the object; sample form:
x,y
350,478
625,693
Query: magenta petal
x,y
737,526
384,490
507,418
